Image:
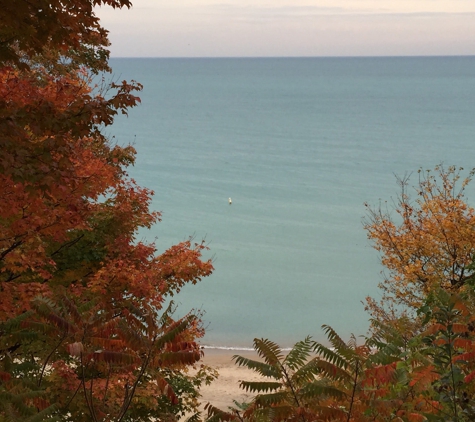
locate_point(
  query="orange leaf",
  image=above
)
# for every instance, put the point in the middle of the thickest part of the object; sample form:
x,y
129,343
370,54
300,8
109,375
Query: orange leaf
x,y
415,417
469,378
459,328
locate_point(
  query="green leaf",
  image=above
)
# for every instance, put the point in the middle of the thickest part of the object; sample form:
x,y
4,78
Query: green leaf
x,y
330,356
333,371
269,351
318,389
307,372
272,399
260,386
299,354
217,415
45,414
260,367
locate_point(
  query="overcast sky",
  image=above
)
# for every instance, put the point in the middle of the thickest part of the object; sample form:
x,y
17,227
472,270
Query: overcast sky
x,y
236,28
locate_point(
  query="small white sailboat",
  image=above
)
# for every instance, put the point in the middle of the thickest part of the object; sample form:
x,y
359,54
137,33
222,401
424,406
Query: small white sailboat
x,y
230,201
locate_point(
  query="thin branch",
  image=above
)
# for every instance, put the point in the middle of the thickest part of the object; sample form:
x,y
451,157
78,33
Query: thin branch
x,y
130,395
292,389
10,249
107,384
67,245
49,357
83,382
91,395
353,393
72,397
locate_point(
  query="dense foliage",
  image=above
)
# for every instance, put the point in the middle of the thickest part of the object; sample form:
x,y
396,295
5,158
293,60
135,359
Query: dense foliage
x,y
84,335
430,241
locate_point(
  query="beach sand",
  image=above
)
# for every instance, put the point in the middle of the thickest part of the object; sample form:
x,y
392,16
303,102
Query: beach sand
x,y
225,389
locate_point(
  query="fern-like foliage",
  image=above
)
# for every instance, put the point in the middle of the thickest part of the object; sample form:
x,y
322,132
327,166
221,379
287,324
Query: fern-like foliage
x,y
297,358
195,417
215,414
259,386
341,381
269,351
290,388
261,368
100,358
365,381
20,401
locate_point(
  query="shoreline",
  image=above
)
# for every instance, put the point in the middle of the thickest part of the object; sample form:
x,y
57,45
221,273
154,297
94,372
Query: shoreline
x,y
234,349
223,391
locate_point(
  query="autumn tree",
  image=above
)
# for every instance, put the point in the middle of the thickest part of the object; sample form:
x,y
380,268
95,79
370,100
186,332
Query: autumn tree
x,y
449,343
427,240
83,330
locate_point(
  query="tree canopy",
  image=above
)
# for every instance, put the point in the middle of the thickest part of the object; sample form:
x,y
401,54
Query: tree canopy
x,y
427,240
55,29
85,332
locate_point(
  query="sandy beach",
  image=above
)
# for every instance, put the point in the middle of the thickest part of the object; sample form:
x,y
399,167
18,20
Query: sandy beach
x,y
225,389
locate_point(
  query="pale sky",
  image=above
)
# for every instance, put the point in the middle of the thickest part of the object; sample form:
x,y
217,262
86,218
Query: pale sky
x,y
262,28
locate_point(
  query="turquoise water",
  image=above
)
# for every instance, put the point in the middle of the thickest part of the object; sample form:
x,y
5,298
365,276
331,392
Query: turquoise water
x,y
299,145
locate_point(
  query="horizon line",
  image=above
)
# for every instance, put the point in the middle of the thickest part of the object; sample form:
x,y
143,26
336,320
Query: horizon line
x,y
299,57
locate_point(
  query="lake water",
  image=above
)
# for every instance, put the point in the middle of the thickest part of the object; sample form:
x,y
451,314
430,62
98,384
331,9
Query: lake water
x,y
299,144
